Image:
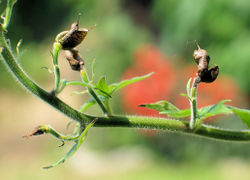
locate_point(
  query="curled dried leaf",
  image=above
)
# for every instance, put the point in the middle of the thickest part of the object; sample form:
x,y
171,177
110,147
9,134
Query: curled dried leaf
x,y
74,59
72,38
35,132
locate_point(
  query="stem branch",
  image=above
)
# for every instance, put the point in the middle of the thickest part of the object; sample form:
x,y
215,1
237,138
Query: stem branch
x,y
113,121
92,92
193,103
8,12
56,49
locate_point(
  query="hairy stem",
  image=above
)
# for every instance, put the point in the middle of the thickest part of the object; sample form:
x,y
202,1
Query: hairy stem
x,y
193,104
107,105
49,130
8,12
10,61
56,49
92,92
112,121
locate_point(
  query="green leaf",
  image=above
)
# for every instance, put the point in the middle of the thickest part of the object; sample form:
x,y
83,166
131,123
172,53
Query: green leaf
x,y
165,107
83,84
116,86
244,114
177,114
185,95
103,93
87,105
18,46
90,103
161,106
78,143
102,87
213,110
79,92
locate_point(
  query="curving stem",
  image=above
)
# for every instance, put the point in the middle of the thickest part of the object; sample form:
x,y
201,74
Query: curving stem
x,y
9,60
56,49
193,123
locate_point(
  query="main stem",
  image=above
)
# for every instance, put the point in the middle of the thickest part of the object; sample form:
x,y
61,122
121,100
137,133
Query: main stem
x,y
112,121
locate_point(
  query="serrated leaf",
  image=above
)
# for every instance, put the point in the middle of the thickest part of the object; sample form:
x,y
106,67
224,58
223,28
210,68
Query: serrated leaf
x,y
177,114
213,110
78,143
101,84
161,106
102,87
116,86
165,107
244,114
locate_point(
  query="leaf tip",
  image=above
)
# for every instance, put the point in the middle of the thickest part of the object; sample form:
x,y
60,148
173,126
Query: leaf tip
x,y
150,74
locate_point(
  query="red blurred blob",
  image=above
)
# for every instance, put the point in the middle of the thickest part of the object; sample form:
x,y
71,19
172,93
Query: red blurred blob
x,y
157,87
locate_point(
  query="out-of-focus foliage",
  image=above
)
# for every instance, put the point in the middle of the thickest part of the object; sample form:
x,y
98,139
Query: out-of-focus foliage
x,y
222,27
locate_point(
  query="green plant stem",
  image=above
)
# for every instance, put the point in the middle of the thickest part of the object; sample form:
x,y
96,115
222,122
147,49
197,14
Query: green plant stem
x,y
193,104
107,105
113,121
8,12
56,49
92,92
9,60
49,130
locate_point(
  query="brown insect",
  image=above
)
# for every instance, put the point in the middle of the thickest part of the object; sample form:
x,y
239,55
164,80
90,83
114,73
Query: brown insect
x,y
202,58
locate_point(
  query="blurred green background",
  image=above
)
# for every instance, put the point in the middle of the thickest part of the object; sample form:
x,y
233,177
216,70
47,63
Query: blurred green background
x,y
123,27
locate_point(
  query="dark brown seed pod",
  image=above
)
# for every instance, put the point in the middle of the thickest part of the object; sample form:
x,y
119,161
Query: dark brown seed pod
x,y
202,58
74,59
37,131
73,37
211,75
